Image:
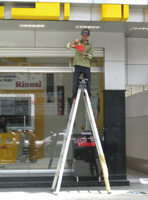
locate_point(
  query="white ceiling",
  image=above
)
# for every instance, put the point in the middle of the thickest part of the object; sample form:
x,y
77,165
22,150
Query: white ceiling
x,y
69,26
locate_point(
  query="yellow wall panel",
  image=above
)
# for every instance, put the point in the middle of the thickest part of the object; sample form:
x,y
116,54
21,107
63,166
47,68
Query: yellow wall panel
x,y
42,11
111,12
23,13
2,15
66,11
48,11
125,13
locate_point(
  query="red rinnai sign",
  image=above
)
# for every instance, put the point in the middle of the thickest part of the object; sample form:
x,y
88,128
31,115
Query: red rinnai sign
x,y
86,144
23,84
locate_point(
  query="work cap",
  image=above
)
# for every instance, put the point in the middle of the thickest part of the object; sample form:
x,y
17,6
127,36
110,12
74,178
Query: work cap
x,y
85,32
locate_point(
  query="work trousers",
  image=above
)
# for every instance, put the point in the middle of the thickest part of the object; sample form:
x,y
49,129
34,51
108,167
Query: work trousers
x,y
86,74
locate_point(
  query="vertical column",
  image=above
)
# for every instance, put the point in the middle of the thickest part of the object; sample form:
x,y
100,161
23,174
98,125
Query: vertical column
x,y
114,75
114,116
114,124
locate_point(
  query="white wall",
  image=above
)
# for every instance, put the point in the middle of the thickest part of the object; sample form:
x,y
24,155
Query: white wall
x,y
14,38
137,105
114,52
137,125
137,61
113,43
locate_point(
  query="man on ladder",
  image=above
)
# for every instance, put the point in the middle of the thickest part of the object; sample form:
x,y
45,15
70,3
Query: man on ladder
x,y
83,55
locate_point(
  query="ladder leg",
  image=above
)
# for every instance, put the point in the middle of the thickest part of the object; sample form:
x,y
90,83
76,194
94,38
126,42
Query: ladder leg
x,y
97,139
62,161
63,155
62,151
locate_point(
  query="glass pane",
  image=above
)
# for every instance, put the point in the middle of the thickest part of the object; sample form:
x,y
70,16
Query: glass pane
x,y
36,109
82,122
95,61
17,109
35,61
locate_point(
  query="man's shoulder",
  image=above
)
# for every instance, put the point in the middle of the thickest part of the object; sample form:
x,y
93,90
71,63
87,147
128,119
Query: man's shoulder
x,y
90,44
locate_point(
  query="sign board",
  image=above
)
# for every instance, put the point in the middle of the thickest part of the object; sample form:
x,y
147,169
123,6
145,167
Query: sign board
x,y
21,81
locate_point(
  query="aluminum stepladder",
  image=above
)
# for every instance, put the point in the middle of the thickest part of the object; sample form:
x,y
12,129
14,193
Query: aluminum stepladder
x,y
60,168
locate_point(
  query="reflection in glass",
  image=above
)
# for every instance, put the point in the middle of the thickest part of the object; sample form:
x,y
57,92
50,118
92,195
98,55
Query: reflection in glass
x,y
35,142
35,61
15,107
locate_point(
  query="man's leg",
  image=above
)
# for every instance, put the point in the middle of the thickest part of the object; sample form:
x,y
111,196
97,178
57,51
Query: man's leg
x,y
87,75
76,75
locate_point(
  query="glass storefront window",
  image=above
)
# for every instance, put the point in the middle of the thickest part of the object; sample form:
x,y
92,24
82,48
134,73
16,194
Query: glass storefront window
x,y
36,107
35,61
95,61
46,61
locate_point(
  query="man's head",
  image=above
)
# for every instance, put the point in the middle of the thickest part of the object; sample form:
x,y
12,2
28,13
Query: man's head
x,y
85,31
85,34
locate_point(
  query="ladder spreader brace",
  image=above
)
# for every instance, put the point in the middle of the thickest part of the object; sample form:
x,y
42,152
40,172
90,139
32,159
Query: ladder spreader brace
x,y
60,168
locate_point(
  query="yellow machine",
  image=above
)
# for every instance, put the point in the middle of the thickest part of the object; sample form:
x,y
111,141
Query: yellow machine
x,y
13,147
9,147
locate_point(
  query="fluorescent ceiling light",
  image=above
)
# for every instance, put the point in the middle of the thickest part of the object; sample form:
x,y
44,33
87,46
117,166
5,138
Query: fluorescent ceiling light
x,y
89,27
139,28
32,25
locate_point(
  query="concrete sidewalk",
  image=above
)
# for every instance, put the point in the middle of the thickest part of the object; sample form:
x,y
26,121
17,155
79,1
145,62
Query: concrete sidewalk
x,y
91,193
138,190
